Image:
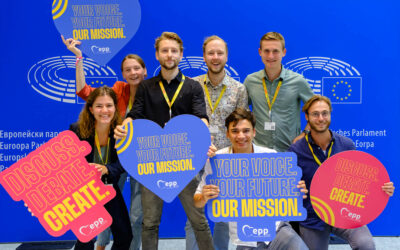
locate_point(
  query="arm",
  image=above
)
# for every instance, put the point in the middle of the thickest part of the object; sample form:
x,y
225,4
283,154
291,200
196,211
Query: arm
x,y
198,103
208,192
80,76
302,134
242,99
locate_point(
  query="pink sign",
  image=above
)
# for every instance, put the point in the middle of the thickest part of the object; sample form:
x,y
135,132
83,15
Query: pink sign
x,y
346,191
61,188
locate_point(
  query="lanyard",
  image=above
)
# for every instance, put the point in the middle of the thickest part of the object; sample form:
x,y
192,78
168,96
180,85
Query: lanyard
x,y
170,103
213,107
312,152
96,139
267,96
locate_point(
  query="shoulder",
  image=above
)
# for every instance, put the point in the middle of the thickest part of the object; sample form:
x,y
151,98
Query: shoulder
x,y
345,142
260,149
74,127
297,146
223,151
293,76
199,78
256,76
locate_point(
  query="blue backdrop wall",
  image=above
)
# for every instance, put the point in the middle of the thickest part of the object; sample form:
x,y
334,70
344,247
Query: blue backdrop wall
x,y
327,41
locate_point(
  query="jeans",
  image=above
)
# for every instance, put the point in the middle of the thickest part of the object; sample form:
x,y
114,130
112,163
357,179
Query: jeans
x,y
135,214
358,238
285,239
220,236
120,226
152,209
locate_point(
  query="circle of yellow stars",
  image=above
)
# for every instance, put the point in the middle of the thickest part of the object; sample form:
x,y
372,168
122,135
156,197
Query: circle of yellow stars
x,y
346,84
97,82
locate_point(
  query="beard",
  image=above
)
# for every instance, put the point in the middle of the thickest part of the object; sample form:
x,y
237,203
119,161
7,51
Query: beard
x,y
174,65
318,129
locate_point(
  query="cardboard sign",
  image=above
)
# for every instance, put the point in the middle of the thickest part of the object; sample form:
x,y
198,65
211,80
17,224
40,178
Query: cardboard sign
x,y
61,188
165,160
103,26
256,190
346,191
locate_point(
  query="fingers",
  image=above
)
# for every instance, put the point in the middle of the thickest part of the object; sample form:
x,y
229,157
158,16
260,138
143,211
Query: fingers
x,y
29,210
388,188
119,132
211,151
210,192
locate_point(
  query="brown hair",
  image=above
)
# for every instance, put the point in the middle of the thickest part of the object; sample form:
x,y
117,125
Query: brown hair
x,y
168,36
133,56
87,121
275,36
212,38
240,114
315,98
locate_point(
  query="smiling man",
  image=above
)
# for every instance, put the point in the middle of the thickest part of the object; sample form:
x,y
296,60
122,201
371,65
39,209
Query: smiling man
x,y
223,95
275,93
159,99
311,151
240,132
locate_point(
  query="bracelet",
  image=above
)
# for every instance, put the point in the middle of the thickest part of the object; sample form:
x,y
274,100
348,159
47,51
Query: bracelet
x,y
78,59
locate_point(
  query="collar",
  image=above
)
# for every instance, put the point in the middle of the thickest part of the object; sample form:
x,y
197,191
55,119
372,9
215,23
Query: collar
x,y
177,78
223,82
310,139
282,75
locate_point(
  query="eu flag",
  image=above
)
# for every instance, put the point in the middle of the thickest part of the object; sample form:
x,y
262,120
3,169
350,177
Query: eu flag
x,y
342,89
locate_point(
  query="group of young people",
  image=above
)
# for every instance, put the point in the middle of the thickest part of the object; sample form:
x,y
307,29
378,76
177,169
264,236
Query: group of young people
x,y
222,103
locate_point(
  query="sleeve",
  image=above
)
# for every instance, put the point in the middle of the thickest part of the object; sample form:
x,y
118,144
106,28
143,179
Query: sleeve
x,y
115,170
246,84
305,91
85,92
198,102
137,110
243,101
207,171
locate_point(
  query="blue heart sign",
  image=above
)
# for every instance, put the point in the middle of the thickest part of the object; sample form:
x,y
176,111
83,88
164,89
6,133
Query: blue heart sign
x,y
103,26
256,191
165,160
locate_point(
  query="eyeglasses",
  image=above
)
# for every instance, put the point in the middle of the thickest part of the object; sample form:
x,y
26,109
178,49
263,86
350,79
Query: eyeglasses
x,y
316,115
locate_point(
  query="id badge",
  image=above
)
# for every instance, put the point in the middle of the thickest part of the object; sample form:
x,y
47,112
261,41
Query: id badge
x,y
269,126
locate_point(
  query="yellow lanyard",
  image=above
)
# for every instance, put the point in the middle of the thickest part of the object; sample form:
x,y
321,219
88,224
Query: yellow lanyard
x,y
130,104
312,152
96,140
170,103
267,96
213,107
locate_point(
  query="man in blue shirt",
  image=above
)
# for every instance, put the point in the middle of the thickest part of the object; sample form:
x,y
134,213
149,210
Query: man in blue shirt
x,y
325,143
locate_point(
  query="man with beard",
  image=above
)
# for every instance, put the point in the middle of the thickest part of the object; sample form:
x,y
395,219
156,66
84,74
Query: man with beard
x,y
159,99
223,95
311,151
276,93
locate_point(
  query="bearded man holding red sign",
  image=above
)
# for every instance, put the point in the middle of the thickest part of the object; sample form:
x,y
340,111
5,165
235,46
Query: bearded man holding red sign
x,y
312,151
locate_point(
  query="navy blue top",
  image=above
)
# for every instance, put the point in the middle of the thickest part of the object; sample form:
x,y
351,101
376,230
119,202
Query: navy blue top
x,y
309,166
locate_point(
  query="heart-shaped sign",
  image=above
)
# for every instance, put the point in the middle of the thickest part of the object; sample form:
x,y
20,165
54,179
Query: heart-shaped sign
x,y
165,160
103,26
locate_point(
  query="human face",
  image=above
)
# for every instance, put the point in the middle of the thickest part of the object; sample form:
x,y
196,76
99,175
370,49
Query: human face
x,y
319,117
103,110
215,56
271,53
169,54
133,72
241,136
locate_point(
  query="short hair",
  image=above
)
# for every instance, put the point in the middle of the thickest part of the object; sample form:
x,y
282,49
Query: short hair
x,y
274,36
135,57
240,114
316,98
168,36
212,38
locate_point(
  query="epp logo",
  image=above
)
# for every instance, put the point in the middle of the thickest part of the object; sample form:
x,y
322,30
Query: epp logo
x,y
330,77
167,184
194,66
349,215
89,229
100,50
255,232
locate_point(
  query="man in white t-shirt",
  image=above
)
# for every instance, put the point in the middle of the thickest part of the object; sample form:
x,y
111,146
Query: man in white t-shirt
x,y
240,126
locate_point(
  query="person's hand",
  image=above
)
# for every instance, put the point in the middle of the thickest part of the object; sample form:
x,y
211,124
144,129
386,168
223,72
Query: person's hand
x,y
211,151
119,132
101,168
210,192
29,210
302,185
71,46
388,188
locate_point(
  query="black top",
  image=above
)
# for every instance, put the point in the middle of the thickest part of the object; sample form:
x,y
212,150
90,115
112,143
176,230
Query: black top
x,y
114,166
150,102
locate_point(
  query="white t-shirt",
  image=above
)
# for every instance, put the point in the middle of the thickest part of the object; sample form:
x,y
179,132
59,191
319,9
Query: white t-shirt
x,y
233,225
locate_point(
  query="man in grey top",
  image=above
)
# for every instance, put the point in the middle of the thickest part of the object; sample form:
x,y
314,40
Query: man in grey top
x,y
275,93
223,95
